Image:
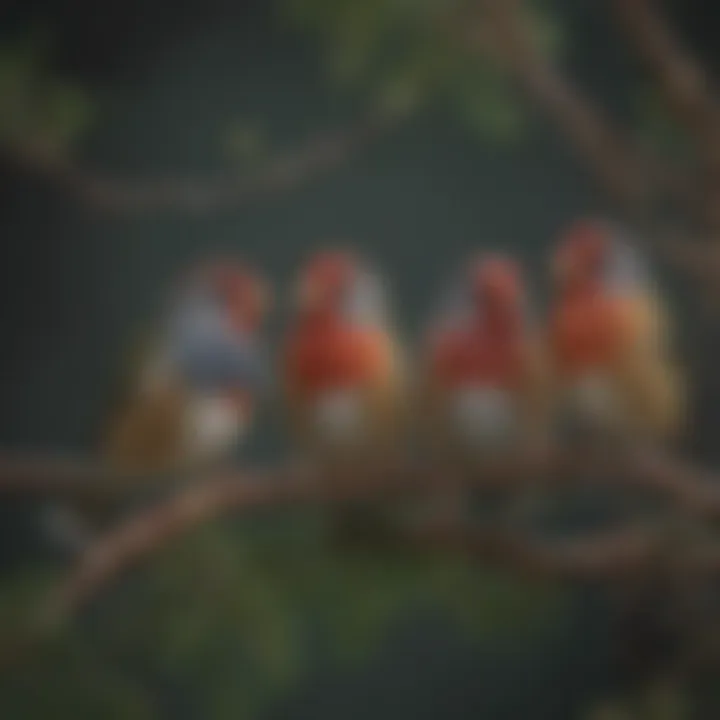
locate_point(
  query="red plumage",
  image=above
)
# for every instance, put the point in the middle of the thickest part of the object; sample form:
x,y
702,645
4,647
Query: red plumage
x,y
325,354
477,355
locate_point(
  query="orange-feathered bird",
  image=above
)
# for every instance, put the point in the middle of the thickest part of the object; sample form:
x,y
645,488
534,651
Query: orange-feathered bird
x,y
609,335
484,379
342,368
484,367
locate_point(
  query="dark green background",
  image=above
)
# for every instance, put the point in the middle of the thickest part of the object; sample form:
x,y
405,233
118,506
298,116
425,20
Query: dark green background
x,y
75,286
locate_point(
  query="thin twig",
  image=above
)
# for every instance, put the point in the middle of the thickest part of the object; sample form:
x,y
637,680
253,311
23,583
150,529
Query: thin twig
x,y
146,532
654,472
641,183
679,76
502,31
104,192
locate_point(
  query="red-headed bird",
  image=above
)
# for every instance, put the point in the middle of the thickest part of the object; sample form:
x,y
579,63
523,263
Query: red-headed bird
x,y
194,389
610,343
484,369
342,370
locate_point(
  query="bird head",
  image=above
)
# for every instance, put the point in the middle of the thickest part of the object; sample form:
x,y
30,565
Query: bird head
x,y
582,257
212,330
495,290
235,290
495,283
338,283
594,254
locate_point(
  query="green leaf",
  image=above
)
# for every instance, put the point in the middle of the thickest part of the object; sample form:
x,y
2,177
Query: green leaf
x,y
42,113
245,141
657,127
547,28
487,105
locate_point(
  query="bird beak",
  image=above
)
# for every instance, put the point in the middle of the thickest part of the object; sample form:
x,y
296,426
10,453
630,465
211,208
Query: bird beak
x,y
307,295
562,268
265,298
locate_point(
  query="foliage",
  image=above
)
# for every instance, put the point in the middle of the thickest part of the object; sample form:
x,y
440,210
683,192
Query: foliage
x,y
657,128
246,142
405,55
42,114
231,616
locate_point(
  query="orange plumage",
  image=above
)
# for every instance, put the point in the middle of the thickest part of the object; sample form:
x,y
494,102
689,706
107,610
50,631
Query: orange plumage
x,y
328,354
341,363
609,339
485,382
477,356
589,332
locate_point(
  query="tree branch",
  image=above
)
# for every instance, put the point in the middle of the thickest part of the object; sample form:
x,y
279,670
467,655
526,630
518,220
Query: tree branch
x,y
639,183
151,529
103,192
607,556
502,31
681,79
680,483
611,556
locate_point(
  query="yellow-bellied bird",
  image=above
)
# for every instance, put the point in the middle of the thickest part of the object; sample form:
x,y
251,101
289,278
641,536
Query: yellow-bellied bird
x,y
194,394
342,368
615,376
485,378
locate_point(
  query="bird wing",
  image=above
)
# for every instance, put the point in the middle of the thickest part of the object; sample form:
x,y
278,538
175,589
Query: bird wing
x,y
536,385
649,375
148,431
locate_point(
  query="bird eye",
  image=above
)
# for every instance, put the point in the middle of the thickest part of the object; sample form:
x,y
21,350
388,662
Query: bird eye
x,y
365,300
625,268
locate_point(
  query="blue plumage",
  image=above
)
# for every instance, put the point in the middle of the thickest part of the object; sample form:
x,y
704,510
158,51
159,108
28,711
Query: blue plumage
x,y
209,353
626,269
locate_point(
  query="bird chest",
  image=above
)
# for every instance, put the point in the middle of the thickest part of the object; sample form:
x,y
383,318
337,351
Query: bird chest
x,y
213,425
483,416
593,401
340,416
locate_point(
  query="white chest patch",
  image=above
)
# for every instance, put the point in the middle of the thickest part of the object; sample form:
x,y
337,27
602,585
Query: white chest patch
x,y
339,416
213,426
484,416
593,397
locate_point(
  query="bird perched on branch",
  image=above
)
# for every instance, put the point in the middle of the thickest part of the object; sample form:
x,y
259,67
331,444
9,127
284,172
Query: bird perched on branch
x,y
342,368
609,335
485,385
194,392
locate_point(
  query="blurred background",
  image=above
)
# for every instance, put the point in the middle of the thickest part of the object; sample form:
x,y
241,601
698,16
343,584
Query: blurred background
x,y
434,152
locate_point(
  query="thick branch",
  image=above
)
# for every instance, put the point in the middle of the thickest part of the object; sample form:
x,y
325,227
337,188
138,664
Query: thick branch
x,y
678,482
145,533
502,30
607,556
639,183
194,195
610,556
679,76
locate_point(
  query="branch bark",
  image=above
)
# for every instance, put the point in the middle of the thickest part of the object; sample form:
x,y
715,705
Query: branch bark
x,y
502,31
679,76
642,185
152,529
611,556
103,192
680,483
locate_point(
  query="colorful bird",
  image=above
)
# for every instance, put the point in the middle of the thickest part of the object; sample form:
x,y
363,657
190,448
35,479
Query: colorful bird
x,y
610,342
196,390
193,395
484,380
342,367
